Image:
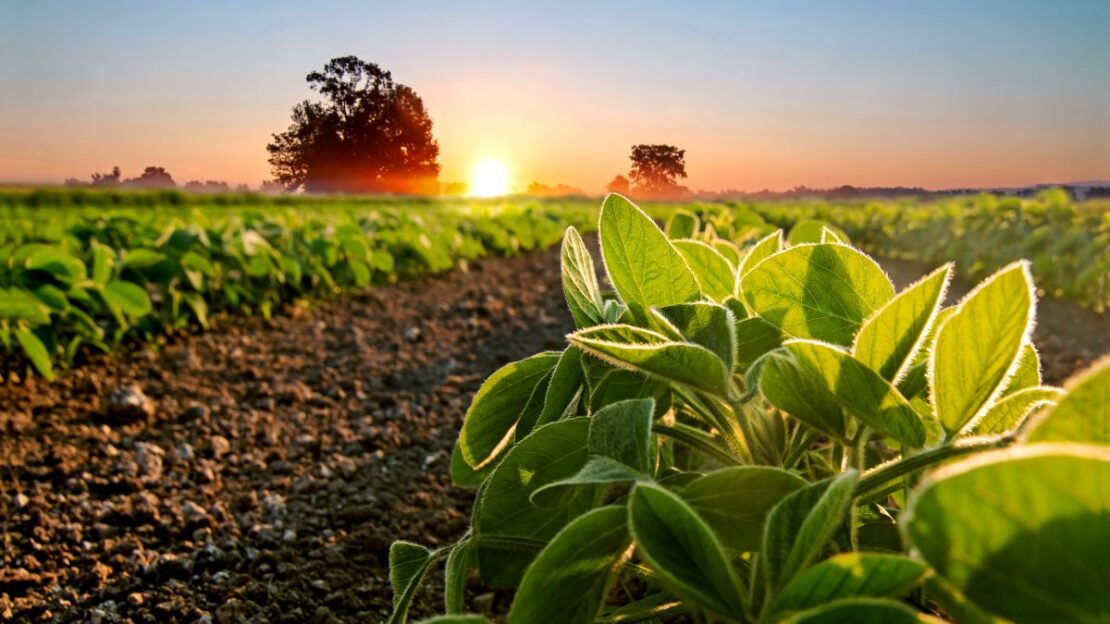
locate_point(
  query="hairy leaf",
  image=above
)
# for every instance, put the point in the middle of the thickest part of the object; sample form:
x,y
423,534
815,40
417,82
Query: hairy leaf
x,y
653,354
801,524
580,281
1018,531
569,579
891,337
1083,413
819,291
645,268
712,270
497,405
683,551
977,347
735,501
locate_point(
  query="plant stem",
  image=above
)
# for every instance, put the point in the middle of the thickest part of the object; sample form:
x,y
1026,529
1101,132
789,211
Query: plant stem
x,y
856,458
880,475
697,442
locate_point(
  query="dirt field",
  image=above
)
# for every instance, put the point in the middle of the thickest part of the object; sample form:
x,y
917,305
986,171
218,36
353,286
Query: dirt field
x,y
281,458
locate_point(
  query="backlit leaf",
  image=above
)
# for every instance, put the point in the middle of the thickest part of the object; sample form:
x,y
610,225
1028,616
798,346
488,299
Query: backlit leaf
x,y
712,270
1021,531
580,281
1083,413
977,347
890,338
497,405
683,551
645,268
822,292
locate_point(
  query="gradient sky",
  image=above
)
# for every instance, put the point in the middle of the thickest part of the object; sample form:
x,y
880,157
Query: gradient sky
x,y
761,94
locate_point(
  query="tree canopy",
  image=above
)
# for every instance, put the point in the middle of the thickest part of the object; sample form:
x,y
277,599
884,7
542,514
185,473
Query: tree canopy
x,y
368,134
656,170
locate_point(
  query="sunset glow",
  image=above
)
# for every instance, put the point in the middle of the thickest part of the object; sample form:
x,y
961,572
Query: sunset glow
x,y
488,178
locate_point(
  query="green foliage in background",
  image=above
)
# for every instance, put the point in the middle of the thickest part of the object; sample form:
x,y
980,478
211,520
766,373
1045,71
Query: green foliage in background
x,y
833,468
93,270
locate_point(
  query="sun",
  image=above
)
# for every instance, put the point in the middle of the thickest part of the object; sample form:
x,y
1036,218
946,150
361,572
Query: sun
x,y
488,178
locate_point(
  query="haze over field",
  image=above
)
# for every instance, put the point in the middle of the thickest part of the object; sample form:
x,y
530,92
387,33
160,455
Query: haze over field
x,y
761,95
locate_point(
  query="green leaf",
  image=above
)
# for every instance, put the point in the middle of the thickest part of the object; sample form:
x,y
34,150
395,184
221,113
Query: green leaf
x,y
128,298
705,323
798,528
764,248
849,575
622,431
796,388
580,281
618,385
645,268
407,564
35,351
731,252
598,470
1021,531
891,337
1028,371
735,501
755,338
504,509
460,561
683,551
104,258
456,619
809,231
813,380
830,234
977,347
570,578
496,407
58,262
682,224
18,304
140,258
712,270
565,388
1010,411
52,297
462,475
1083,413
859,611
531,411
822,292
653,354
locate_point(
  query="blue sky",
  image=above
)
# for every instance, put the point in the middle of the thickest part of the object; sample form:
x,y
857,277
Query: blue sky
x,y
761,94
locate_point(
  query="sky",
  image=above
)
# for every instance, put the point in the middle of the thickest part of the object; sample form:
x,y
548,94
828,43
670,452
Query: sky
x,y
769,94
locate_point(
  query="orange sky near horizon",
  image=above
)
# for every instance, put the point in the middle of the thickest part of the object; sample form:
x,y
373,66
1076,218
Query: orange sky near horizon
x,y
758,96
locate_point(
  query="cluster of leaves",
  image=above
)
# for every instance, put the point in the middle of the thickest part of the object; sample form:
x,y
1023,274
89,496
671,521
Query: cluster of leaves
x,y
769,432
1068,244
78,278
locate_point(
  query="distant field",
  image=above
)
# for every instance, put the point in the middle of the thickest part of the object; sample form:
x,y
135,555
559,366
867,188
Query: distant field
x,y
84,269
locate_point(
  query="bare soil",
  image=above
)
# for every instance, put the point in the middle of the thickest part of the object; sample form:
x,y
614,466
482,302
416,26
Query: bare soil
x,y
271,463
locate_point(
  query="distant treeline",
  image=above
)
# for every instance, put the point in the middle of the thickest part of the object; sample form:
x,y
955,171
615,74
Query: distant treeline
x,y
847,192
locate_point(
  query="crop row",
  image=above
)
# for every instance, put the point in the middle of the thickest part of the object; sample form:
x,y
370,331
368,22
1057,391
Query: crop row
x,y
764,431
1067,243
75,278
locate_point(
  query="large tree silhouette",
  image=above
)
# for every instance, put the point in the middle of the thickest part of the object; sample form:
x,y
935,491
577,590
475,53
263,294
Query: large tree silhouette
x,y
369,134
656,169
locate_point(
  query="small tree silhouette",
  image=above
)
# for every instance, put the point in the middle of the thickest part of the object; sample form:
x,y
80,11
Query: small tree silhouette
x,y
151,177
619,184
656,170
